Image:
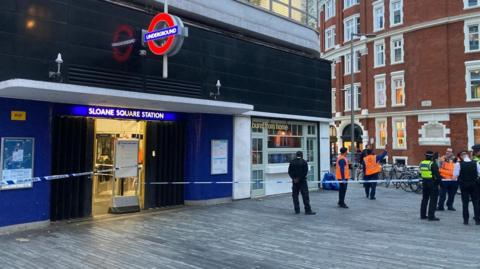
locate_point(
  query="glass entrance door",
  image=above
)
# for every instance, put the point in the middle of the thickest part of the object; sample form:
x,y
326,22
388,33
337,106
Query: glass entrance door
x,y
106,187
103,179
257,178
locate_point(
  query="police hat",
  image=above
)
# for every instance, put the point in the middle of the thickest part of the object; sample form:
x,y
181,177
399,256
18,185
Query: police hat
x,y
429,153
476,147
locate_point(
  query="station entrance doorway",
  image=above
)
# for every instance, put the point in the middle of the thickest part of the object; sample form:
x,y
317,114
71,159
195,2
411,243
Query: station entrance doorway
x,y
119,165
155,149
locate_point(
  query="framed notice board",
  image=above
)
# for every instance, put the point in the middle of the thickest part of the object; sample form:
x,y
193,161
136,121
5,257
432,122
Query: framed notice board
x,y
16,159
219,157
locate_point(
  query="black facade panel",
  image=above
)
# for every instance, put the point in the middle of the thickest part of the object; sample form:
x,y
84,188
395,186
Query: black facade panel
x,y
273,80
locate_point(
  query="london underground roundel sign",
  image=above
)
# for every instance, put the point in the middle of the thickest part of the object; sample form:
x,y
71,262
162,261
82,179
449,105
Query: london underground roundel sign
x,y
165,34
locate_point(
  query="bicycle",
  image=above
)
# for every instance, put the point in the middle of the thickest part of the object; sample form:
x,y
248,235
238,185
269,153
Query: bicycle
x,y
413,183
394,172
359,171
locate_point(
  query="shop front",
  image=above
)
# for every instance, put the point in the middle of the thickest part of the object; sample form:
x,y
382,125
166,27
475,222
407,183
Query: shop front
x,y
111,159
112,142
274,145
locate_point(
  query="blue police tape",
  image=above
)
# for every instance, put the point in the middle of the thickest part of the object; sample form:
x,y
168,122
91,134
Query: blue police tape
x,y
91,173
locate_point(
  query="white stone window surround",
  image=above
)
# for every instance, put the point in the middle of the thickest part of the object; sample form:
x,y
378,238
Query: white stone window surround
x,y
470,128
434,120
395,131
397,158
392,3
377,5
376,51
466,4
353,20
470,66
393,40
466,32
399,75
378,121
380,78
347,97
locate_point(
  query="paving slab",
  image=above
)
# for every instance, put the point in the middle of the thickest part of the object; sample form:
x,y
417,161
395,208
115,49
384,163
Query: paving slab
x,y
264,233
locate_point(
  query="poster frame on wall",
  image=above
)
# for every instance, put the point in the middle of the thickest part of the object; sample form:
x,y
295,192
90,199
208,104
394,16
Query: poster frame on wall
x,y
219,157
26,167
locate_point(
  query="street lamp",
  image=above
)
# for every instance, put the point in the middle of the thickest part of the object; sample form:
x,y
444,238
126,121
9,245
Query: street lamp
x,y
352,98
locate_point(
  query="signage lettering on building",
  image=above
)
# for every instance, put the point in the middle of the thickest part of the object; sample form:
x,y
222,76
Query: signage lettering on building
x,y
18,115
165,34
124,113
269,125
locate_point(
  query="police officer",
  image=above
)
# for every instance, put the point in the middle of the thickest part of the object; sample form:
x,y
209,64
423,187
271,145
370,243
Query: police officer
x,y
372,169
430,181
298,170
449,183
342,174
467,173
476,158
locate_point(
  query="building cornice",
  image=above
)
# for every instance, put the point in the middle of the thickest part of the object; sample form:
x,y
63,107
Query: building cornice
x,y
336,53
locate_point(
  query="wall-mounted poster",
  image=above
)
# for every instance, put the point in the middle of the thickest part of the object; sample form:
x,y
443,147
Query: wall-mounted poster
x,y
219,162
16,162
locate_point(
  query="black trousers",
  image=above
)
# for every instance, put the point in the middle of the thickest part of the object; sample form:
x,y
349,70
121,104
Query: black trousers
x,y
429,197
447,188
297,188
370,188
477,192
342,191
469,191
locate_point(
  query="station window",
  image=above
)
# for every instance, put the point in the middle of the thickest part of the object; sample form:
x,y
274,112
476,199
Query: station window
x,y
257,151
303,11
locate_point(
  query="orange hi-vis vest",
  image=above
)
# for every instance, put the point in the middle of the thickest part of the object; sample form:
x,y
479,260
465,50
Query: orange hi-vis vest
x,y
346,171
371,165
446,171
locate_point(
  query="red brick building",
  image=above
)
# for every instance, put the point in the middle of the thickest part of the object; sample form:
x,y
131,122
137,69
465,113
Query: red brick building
x,y
417,82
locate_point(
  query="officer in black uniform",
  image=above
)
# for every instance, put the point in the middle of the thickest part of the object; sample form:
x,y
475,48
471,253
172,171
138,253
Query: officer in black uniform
x,y
467,173
298,170
476,158
430,180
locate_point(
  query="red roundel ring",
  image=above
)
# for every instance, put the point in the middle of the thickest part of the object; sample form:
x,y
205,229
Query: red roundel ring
x,y
118,54
161,17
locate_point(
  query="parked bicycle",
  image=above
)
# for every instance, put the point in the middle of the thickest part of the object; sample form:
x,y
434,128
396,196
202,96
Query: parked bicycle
x,y
412,175
393,171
